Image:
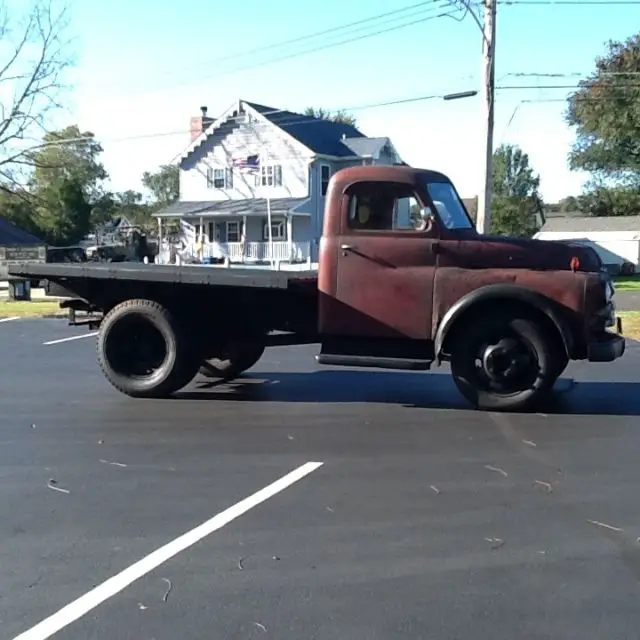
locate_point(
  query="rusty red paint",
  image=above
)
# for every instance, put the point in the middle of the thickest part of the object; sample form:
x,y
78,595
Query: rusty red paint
x,y
392,283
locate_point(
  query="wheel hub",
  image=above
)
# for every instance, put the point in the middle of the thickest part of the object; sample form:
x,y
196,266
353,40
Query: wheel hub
x,y
503,360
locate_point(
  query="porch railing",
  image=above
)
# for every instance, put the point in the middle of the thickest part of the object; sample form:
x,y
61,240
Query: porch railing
x,y
260,251
249,252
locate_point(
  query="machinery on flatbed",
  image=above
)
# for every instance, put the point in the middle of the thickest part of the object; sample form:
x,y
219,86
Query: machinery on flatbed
x,y
404,282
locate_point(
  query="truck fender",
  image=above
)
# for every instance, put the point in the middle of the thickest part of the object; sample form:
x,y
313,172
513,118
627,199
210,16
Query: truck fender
x,y
505,292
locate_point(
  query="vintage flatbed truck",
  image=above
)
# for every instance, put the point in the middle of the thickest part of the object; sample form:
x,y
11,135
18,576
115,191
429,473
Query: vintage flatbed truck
x,y
404,281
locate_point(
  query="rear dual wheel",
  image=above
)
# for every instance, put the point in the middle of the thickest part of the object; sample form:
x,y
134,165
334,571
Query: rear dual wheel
x,y
233,360
504,362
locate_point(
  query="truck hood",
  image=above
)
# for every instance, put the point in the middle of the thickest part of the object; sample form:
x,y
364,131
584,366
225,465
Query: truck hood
x,y
496,252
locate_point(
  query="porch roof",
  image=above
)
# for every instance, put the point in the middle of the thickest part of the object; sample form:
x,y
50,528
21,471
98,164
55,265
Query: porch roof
x,y
256,207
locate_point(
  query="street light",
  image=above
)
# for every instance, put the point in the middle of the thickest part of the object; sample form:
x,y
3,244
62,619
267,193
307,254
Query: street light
x,y
459,95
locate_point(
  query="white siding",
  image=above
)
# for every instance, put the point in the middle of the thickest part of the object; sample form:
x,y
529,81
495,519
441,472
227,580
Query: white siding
x,y
301,229
250,139
614,247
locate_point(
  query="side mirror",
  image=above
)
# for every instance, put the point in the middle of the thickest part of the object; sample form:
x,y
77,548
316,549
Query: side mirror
x,y
426,214
425,221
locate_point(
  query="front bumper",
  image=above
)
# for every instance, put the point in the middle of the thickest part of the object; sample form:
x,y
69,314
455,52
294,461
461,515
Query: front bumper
x,y
606,348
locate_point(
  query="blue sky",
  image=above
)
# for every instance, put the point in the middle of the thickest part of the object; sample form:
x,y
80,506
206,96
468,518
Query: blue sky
x,y
145,67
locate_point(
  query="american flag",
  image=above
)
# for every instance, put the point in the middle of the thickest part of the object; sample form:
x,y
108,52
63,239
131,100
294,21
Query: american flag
x,y
251,163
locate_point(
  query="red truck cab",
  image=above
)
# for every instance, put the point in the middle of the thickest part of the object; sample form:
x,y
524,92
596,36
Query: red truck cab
x,y
404,279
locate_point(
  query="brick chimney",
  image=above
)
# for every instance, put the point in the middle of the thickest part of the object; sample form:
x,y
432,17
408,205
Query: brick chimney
x,y
200,123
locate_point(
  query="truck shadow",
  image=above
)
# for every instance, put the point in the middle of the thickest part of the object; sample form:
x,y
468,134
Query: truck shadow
x,y
416,390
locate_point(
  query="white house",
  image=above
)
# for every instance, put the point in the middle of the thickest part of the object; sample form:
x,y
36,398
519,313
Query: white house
x,y
615,238
256,162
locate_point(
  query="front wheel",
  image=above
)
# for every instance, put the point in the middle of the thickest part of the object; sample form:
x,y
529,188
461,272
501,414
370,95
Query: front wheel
x,y
504,363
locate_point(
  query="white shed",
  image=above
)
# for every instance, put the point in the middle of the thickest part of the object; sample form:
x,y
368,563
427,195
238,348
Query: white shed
x,y
615,238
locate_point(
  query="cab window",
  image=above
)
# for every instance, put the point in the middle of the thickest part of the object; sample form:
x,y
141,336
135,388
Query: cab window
x,y
384,206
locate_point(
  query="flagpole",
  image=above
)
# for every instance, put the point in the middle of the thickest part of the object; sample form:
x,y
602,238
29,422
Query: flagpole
x,y
270,236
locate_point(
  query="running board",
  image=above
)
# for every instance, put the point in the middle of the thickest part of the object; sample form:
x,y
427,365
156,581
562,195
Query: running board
x,y
407,364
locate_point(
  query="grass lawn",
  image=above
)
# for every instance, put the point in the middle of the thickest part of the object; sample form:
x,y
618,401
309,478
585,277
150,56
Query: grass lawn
x,y
627,283
34,309
630,324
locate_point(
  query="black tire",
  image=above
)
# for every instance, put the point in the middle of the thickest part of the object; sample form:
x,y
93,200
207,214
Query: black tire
x,y
143,352
234,361
562,362
529,357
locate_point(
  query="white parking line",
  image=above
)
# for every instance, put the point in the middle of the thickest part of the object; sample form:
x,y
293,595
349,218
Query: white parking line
x,y
9,319
84,335
120,581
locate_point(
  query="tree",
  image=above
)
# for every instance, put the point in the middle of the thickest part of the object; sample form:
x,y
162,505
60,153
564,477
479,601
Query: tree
x,y
130,204
69,155
340,116
66,184
570,203
605,111
32,66
164,184
601,200
516,199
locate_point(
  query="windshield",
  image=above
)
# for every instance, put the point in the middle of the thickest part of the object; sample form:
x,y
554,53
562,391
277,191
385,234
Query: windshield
x,y
449,206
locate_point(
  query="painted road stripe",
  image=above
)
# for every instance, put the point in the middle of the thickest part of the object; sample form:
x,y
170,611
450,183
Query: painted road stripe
x,y
9,319
84,335
120,581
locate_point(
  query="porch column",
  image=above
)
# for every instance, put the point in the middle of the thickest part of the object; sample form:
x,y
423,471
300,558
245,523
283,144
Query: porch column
x,y
159,240
244,237
290,236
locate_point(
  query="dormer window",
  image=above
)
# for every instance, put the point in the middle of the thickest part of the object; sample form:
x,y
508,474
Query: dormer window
x,y
270,175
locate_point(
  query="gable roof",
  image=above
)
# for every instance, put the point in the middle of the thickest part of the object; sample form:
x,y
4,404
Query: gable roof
x,y
586,224
323,137
12,235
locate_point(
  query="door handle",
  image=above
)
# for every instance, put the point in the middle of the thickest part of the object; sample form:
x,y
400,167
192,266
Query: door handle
x,y
347,247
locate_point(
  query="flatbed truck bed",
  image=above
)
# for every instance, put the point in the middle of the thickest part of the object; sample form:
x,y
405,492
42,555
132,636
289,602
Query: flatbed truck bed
x,y
167,274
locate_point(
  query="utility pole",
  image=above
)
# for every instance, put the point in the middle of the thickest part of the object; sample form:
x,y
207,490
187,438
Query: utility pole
x,y
483,221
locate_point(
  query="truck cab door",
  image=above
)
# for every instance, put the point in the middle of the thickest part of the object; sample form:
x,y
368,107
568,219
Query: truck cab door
x,y
386,261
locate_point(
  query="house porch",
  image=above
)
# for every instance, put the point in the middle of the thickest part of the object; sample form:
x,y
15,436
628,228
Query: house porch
x,y
242,236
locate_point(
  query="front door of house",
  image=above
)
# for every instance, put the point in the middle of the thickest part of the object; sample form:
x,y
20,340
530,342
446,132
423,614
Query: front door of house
x,y
386,265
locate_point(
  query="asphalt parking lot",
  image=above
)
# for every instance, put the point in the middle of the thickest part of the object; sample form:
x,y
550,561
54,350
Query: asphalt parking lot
x,y
397,511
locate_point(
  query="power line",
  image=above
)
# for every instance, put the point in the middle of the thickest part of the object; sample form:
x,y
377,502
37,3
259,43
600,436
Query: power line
x,y
550,100
569,86
309,36
290,119
573,74
425,18
575,3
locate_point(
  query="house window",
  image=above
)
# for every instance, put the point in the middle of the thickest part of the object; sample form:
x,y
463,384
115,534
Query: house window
x,y
219,178
325,175
233,231
278,230
270,176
